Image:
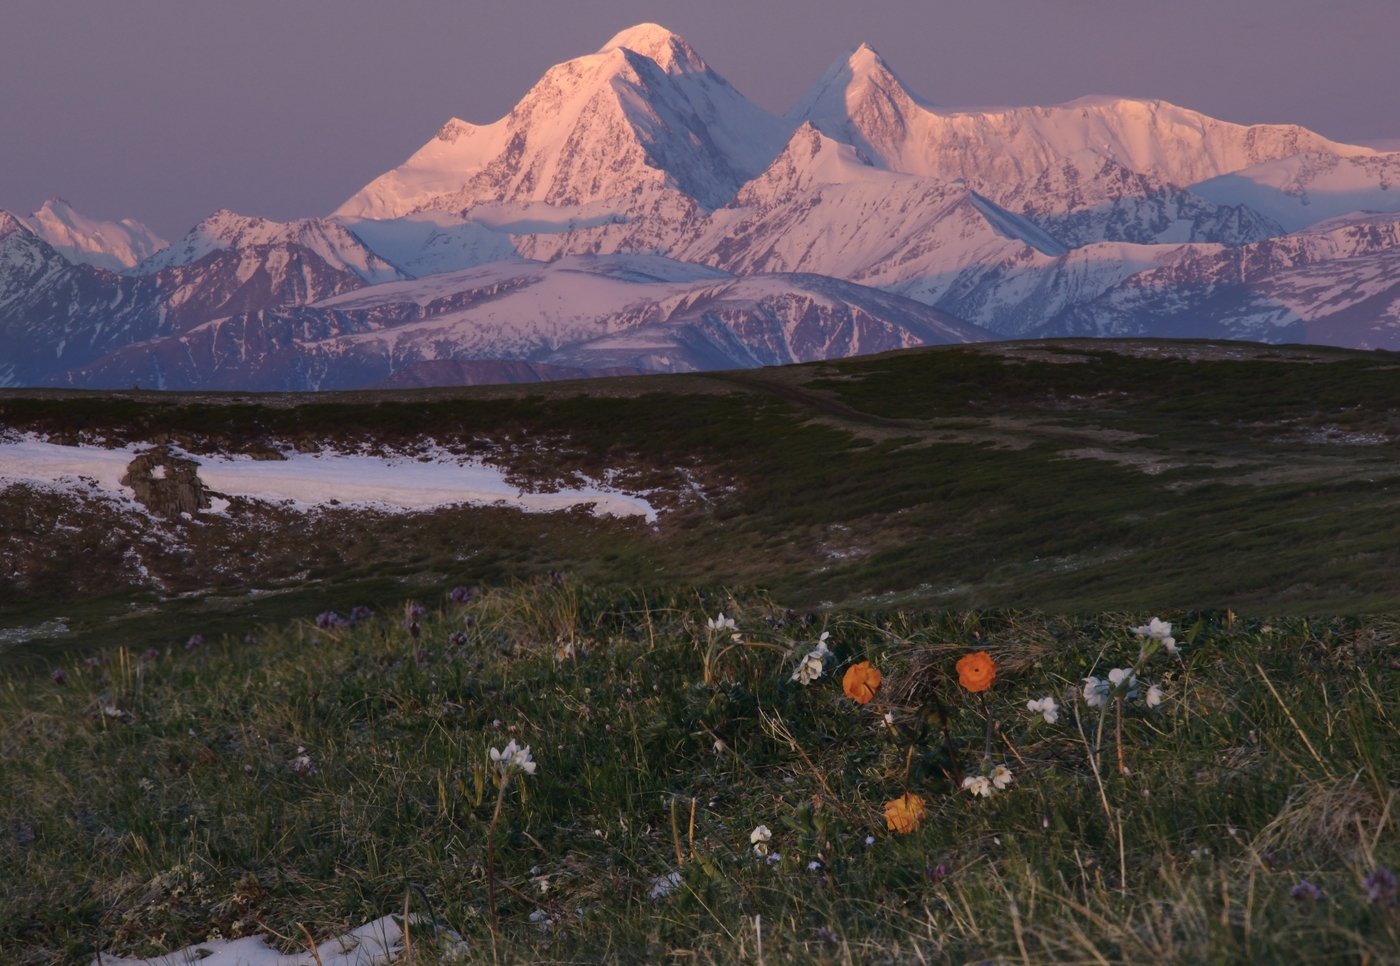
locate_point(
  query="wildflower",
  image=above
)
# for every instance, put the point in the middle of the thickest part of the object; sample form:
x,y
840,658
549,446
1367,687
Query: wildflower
x,y
861,682
150,654
814,866
905,813
976,671
721,623
1160,631
869,841
773,858
663,885
1001,777
329,619
1305,891
461,595
1095,692
1124,682
1045,706
59,675
513,757
195,642
978,785
759,839
811,668
302,763
1154,696
360,613
1382,889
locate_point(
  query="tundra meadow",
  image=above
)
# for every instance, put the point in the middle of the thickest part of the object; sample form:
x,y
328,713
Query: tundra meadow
x,y
547,773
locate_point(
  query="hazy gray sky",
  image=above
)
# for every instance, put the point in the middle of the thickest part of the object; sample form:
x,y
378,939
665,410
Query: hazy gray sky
x,y
164,110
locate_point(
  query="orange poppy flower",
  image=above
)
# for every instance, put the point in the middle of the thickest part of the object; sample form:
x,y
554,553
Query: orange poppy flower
x,y
977,671
905,813
861,682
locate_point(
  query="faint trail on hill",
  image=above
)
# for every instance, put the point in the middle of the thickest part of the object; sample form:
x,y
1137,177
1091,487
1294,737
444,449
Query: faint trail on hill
x,y
810,399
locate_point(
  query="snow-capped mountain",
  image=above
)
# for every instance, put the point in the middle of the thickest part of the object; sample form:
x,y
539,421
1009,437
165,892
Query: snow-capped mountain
x,y
861,101
635,213
329,241
576,315
56,315
1309,188
1337,283
642,116
113,245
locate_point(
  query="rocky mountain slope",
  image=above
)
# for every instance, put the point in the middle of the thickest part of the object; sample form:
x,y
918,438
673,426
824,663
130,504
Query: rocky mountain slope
x,y
575,316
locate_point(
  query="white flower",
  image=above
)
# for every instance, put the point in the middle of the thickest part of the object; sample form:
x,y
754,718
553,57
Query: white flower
x,y
869,840
978,785
1045,706
888,718
821,644
663,885
721,623
1001,777
513,756
814,866
1124,682
1154,696
1159,630
1155,628
760,834
811,667
1095,692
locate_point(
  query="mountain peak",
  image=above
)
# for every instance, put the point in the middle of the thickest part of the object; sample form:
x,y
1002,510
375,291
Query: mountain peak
x,y
854,78
113,245
669,50
9,224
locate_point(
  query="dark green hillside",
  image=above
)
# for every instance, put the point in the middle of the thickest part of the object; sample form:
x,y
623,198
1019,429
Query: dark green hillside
x,y
1069,477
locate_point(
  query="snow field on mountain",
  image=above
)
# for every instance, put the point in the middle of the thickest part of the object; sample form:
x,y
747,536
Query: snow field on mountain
x,y
406,483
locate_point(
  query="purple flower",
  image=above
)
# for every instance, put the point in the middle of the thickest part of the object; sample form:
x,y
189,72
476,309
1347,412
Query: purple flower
x,y
150,654
937,873
469,620
457,639
360,613
59,676
195,642
1305,891
329,619
462,595
1381,887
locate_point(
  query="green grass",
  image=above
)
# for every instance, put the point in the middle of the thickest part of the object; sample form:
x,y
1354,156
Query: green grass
x,y
1133,475
1274,759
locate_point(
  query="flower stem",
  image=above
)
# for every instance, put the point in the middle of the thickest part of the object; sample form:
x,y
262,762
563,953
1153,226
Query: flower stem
x,y
987,749
1118,734
491,849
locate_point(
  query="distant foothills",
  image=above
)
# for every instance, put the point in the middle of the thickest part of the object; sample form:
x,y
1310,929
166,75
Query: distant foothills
x,y
634,213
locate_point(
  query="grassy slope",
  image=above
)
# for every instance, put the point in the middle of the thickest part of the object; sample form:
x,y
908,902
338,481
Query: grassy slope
x,y
1273,760
1068,476
1077,478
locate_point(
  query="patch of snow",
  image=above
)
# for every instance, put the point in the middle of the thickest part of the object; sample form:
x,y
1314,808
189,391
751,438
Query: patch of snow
x,y
396,482
380,941
58,627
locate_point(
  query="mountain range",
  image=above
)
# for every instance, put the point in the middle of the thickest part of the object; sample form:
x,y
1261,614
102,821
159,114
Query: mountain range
x,y
636,213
